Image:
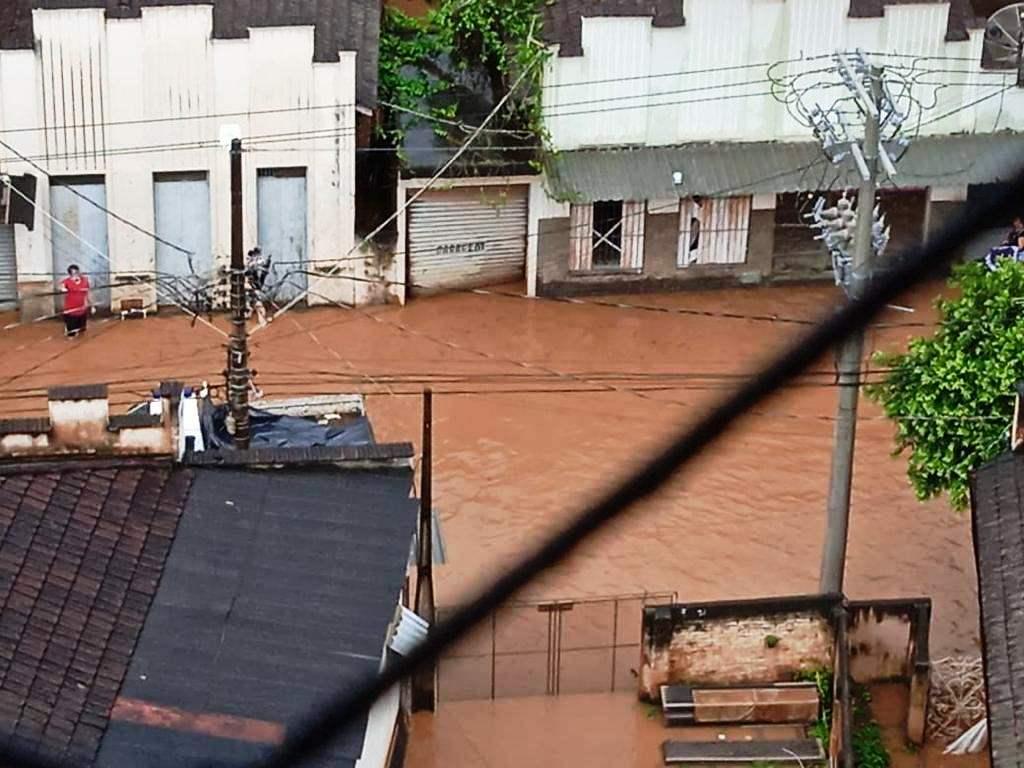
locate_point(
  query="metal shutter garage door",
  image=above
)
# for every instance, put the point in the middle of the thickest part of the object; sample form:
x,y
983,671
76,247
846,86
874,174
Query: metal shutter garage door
x,y
69,204
8,267
462,238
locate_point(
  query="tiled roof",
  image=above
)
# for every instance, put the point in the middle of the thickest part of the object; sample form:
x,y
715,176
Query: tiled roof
x,y
81,553
279,588
340,25
997,497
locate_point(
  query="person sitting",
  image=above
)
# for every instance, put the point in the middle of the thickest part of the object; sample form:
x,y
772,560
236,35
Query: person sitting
x,y
1012,246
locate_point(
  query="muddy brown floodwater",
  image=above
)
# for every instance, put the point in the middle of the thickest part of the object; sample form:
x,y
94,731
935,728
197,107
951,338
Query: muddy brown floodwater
x,y
744,520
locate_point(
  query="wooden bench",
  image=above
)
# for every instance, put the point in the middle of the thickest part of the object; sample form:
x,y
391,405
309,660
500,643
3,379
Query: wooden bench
x,y
800,751
775,704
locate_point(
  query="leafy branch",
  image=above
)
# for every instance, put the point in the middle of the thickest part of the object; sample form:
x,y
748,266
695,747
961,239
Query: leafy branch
x,y
951,396
423,59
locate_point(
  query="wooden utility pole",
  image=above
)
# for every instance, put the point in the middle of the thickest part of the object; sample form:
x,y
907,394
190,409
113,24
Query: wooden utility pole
x,y
423,682
238,374
833,562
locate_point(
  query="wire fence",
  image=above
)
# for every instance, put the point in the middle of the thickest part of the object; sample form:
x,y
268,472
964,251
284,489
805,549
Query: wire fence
x,y
548,648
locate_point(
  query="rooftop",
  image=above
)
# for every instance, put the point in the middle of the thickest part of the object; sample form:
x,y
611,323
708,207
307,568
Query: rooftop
x,y
147,607
997,500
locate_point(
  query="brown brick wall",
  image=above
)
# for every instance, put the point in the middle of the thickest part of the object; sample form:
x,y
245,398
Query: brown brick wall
x,y
734,649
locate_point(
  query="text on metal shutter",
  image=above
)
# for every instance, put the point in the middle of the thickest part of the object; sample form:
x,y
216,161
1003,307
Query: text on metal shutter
x,y
461,238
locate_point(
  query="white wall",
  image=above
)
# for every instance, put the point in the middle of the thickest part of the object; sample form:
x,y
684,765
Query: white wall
x,y
728,33
89,70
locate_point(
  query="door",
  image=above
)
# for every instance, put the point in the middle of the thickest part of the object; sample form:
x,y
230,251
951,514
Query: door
x,y
181,208
281,215
8,267
468,237
79,203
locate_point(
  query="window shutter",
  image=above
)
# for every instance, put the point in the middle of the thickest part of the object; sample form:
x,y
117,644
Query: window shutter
x,y
634,216
724,231
581,245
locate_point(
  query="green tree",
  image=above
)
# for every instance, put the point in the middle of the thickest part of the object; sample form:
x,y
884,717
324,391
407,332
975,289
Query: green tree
x,y
951,395
500,36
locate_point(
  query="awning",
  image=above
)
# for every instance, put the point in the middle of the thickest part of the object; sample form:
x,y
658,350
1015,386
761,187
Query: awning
x,y
723,168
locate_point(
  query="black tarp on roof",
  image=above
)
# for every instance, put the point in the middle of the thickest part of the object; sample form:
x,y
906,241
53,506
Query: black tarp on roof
x,y
268,430
278,590
997,500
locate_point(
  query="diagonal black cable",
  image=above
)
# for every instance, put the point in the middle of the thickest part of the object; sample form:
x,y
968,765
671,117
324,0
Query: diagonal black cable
x,y
914,266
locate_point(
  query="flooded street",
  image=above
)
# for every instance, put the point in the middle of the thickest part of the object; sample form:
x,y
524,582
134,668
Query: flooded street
x,y
538,406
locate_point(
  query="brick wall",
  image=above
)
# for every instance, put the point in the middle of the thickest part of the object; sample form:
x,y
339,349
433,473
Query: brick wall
x,y
759,641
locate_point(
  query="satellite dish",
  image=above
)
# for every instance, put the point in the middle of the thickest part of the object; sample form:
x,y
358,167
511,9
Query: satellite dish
x,y
1004,38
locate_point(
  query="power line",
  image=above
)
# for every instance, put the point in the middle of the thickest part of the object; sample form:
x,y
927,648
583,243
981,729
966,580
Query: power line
x,y
93,203
310,737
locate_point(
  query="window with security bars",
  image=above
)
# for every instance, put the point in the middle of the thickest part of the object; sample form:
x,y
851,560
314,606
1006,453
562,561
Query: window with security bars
x,y
607,235
713,230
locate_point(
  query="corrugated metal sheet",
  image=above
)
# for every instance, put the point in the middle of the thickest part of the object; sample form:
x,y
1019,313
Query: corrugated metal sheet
x,y
340,25
181,203
716,169
634,219
8,266
281,220
464,237
87,247
721,233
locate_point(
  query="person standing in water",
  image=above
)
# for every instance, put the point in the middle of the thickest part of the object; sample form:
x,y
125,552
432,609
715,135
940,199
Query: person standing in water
x,y
75,288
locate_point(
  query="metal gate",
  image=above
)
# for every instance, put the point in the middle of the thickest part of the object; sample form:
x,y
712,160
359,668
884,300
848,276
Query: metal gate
x,y
467,237
549,648
87,247
181,208
281,203
8,267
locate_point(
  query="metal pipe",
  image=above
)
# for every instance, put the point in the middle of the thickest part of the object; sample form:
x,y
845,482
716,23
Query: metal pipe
x,y
238,349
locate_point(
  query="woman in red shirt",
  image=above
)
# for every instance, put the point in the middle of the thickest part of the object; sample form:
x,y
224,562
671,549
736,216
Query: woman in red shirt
x,y
76,301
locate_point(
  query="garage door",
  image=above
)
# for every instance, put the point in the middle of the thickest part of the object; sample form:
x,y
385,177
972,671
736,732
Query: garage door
x,y
281,215
8,267
86,242
463,238
181,203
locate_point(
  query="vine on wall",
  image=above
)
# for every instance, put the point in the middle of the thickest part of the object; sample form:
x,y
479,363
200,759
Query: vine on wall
x,y
423,58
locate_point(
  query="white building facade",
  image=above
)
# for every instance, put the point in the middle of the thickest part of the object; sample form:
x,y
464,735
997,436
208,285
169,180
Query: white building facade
x,y
677,162
124,116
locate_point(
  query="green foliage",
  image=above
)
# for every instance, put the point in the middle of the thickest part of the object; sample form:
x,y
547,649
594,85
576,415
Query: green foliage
x,y
951,396
869,749
500,35
771,641
822,679
868,746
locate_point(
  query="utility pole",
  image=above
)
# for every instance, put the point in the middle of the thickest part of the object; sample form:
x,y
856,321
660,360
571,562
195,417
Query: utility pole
x,y
238,374
423,680
833,563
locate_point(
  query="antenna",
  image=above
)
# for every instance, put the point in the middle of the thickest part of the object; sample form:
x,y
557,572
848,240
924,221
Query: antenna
x,y
1004,41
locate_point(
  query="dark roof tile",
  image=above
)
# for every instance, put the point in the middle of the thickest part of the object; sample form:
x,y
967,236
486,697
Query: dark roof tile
x,y
68,572
997,497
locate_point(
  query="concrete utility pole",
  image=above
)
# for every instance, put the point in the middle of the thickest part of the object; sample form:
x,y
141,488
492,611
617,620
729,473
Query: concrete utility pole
x,y
833,563
238,375
423,680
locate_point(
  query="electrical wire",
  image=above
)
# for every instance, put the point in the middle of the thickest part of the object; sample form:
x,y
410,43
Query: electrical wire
x,y
309,737
96,205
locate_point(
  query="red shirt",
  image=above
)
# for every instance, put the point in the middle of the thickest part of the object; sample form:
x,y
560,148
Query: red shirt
x,y
76,299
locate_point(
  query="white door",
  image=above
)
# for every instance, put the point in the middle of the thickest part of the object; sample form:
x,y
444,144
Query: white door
x,y
281,214
184,263
467,237
79,203
8,267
